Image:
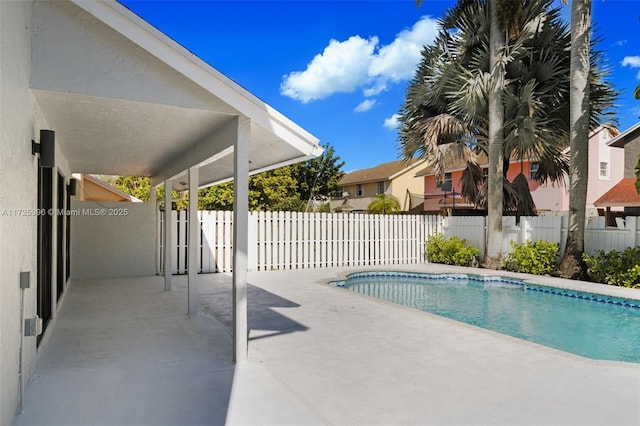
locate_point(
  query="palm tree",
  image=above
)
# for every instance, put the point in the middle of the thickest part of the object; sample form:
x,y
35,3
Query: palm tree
x,y
446,109
578,172
384,204
493,250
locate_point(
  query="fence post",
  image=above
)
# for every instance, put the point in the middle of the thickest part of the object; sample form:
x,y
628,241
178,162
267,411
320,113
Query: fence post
x,y
631,227
252,249
525,235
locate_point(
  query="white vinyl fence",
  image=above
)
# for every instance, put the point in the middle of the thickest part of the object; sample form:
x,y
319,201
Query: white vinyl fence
x,y
292,240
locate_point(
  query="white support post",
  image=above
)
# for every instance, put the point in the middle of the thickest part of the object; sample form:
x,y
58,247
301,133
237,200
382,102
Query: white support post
x,y
152,200
194,229
240,239
168,244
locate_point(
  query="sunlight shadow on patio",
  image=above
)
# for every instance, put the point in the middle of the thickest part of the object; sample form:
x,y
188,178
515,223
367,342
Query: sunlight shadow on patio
x,y
215,296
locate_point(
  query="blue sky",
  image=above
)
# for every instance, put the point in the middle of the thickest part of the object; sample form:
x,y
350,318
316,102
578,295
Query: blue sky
x,y
340,68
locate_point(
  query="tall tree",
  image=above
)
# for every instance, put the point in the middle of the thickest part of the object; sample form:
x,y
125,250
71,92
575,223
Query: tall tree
x,y
570,265
493,249
319,177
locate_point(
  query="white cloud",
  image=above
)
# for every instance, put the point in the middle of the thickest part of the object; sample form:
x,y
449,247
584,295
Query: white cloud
x,y
376,89
621,43
631,61
392,122
397,61
359,63
365,105
339,68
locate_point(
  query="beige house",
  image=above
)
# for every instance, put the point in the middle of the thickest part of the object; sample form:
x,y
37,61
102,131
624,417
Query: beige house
x,y
397,178
93,189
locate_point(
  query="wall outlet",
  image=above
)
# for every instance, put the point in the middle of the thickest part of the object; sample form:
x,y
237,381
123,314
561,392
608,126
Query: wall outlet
x,y
25,278
32,327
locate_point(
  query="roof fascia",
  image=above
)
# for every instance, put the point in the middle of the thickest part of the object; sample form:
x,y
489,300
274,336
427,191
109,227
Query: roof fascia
x,y
408,169
110,188
624,135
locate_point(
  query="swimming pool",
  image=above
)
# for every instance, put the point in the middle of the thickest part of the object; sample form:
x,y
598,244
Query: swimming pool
x,y
586,324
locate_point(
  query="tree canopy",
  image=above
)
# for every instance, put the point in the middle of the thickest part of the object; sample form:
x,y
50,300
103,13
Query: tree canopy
x,y
286,188
319,177
384,204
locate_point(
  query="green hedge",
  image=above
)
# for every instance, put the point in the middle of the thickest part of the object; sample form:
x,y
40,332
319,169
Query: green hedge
x,y
537,258
452,251
615,268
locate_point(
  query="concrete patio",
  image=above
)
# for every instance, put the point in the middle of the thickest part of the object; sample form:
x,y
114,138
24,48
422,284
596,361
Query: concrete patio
x,y
124,352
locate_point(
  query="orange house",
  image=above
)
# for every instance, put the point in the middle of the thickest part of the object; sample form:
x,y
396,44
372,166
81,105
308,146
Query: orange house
x,y
606,168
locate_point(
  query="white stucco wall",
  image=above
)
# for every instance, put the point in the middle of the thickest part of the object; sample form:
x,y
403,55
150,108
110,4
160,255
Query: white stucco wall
x,y
20,122
18,181
114,243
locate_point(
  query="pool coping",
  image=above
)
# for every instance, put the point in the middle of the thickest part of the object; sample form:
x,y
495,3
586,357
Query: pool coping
x,y
539,280
580,286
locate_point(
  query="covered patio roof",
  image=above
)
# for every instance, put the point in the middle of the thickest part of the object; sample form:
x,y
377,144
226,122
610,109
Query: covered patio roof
x,y
125,99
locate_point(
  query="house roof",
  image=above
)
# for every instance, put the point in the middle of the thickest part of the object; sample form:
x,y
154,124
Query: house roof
x,y
453,164
125,99
107,187
625,137
623,193
384,171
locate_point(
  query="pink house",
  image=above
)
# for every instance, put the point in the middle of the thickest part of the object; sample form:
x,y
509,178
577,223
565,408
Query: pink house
x,y
606,168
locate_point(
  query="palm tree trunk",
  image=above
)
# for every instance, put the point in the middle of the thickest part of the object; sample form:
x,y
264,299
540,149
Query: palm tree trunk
x,y
578,171
493,252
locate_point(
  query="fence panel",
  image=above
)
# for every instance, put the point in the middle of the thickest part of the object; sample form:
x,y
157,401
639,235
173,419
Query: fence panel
x,y
286,240
470,228
599,237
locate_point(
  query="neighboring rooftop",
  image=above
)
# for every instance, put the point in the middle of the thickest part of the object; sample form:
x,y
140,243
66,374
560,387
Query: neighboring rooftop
x,y
625,137
384,171
624,193
94,189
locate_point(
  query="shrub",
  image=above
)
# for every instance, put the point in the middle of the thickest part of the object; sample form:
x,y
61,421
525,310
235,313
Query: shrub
x,y
537,258
452,251
323,208
615,268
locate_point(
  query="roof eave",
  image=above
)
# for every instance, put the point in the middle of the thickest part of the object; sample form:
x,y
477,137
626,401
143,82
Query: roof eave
x,y
621,140
140,32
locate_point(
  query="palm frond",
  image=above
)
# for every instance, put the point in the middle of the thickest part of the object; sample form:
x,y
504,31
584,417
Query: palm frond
x,y
526,206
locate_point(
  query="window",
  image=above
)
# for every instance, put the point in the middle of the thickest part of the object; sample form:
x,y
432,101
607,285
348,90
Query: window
x,y
446,184
604,169
382,187
359,190
533,170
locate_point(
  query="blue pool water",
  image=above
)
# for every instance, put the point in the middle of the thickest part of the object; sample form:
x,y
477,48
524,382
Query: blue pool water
x,y
590,325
